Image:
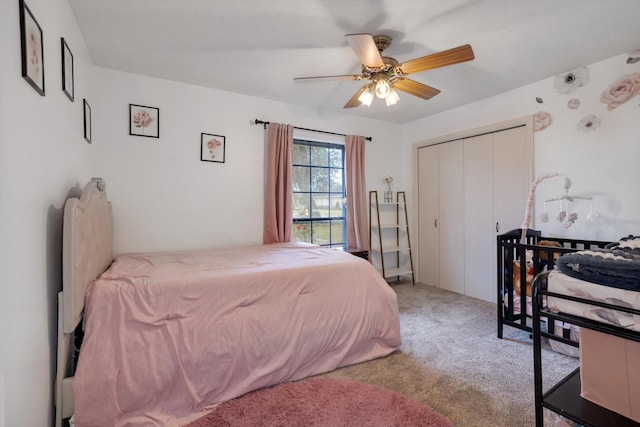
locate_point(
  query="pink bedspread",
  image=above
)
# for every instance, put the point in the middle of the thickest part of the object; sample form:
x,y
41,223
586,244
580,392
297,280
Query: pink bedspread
x,y
169,335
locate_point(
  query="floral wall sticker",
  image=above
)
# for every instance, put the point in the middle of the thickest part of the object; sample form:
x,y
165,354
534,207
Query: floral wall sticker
x,y
573,103
541,120
634,56
571,81
589,123
621,91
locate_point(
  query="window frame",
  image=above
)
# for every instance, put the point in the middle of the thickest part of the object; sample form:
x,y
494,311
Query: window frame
x,y
310,220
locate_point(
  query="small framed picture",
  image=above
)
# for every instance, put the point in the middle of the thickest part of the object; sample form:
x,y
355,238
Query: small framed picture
x,y
31,48
87,121
144,121
211,148
67,69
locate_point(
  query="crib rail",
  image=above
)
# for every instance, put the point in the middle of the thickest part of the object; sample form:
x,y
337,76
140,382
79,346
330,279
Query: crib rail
x,y
514,310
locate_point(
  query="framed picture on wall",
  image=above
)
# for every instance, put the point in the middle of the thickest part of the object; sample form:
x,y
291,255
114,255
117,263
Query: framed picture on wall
x,y
67,69
144,121
31,48
212,148
87,121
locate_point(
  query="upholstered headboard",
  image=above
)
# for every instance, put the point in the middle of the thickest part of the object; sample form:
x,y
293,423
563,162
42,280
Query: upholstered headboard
x,y
87,247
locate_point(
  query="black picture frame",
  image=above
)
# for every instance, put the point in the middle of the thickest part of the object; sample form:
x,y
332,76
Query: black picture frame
x,y
31,49
87,120
212,148
144,121
68,85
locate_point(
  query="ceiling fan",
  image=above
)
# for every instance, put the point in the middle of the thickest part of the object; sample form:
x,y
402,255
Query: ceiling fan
x,y
386,74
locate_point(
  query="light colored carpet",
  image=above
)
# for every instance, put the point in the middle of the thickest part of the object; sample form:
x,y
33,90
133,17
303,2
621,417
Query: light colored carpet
x,y
452,361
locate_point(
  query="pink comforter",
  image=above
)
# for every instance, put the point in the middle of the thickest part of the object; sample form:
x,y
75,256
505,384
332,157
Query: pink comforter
x,y
169,335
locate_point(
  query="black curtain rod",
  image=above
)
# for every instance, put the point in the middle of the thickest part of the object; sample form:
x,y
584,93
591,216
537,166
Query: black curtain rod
x,y
264,124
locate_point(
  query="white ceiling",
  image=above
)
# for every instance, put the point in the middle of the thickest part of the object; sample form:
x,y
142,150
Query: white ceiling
x,y
257,47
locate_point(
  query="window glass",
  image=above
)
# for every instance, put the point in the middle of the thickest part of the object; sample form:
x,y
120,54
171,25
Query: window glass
x,y
335,157
302,232
301,178
319,156
336,202
301,205
335,180
319,179
336,232
318,193
320,205
301,154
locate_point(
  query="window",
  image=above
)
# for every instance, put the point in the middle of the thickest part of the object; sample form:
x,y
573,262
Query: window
x,y
318,193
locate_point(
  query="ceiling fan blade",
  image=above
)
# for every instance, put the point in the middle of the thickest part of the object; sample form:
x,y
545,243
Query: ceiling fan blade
x,y
415,88
448,57
341,76
366,49
353,102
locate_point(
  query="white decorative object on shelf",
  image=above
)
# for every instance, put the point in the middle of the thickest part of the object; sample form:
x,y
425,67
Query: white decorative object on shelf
x,y
388,194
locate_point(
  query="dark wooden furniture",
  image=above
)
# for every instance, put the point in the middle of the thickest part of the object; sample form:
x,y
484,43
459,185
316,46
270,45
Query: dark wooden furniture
x,y
510,249
564,397
362,253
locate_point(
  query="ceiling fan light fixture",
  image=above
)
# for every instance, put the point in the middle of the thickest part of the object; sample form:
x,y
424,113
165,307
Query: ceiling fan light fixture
x,y
382,88
366,97
392,98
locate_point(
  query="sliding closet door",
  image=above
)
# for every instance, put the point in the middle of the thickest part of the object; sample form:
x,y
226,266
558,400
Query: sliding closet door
x,y
511,175
451,216
479,230
479,185
428,211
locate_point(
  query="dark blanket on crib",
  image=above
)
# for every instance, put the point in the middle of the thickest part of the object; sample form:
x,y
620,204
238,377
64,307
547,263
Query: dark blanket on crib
x,y
618,265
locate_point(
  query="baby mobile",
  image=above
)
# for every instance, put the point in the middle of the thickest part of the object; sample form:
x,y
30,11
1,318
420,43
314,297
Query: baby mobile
x,y
565,215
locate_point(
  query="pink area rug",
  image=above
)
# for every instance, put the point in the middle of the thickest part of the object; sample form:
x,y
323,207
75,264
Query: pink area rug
x,y
322,402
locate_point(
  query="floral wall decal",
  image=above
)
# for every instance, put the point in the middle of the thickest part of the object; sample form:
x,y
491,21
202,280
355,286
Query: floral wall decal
x,y
589,123
621,91
541,120
539,100
571,81
634,56
573,103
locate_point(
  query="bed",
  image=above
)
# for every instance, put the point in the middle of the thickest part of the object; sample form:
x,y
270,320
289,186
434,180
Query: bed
x,y
169,335
514,283
598,290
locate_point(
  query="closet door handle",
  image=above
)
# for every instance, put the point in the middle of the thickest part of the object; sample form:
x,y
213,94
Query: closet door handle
x,y
497,227
435,223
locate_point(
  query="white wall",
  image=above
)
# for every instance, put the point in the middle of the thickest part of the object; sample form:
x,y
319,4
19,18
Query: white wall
x,y
602,164
43,156
165,198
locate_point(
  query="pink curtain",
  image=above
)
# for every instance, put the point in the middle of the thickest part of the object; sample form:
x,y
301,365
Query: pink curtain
x,y
357,225
278,211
